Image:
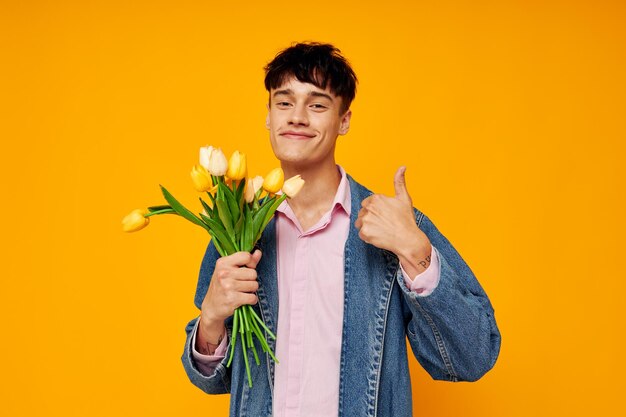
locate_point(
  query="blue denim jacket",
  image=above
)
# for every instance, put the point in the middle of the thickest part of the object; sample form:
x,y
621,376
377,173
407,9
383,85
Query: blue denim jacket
x,y
452,332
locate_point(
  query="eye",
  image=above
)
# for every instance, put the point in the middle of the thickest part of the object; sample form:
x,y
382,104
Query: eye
x,y
318,106
282,104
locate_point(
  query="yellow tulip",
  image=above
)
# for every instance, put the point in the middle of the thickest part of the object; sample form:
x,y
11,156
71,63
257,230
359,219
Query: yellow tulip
x,y
205,156
135,221
201,178
292,186
237,167
274,180
218,165
252,186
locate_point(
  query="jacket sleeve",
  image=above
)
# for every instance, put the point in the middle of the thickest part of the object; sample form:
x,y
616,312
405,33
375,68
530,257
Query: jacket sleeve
x,y
219,381
452,331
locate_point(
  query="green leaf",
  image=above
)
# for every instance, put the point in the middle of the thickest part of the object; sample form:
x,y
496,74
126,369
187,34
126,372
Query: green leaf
x,y
259,215
205,218
180,209
217,245
225,216
214,206
206,207
264,215
242,236
221,236
269,215
230,199
240,188
238,228
248,232
275,204
242,203
225,190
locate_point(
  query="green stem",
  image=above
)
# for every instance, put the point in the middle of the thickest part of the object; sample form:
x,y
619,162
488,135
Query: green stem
x,y
258,319
264,342
218,193
164,211
245,356
234,334
256,357
259,335
245,318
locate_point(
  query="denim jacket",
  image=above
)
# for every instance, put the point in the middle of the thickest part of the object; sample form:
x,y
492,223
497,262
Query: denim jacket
x,y
452,332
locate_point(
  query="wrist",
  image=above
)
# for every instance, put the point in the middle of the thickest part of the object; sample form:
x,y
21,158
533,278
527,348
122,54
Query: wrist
x,y
415,258
412,245
210,329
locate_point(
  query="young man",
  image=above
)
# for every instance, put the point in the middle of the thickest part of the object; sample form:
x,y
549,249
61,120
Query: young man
x,y
343,276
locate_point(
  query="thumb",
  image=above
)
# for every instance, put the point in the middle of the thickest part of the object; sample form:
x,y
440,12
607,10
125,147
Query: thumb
x,y
399,183
254,259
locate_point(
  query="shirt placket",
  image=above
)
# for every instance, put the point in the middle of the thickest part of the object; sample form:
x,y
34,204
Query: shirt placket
x,y
297,328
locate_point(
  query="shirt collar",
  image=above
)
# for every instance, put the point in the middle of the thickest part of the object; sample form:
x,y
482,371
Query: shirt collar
x,y
342,196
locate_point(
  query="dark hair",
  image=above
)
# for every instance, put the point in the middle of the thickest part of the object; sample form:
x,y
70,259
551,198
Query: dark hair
x,y
320,64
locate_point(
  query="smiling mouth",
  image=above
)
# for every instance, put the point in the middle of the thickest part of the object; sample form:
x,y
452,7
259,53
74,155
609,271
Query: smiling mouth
x,y
297,135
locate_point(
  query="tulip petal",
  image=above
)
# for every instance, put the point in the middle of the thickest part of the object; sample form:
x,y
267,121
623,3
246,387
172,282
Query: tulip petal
x,y
135,221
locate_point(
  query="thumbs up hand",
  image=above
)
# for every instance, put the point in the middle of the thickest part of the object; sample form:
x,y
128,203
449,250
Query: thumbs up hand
x,y
389,223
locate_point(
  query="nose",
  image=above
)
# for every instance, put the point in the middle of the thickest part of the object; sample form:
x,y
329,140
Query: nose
x,y
299,116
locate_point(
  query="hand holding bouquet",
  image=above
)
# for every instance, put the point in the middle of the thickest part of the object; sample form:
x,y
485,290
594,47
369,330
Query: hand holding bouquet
x,y
235,215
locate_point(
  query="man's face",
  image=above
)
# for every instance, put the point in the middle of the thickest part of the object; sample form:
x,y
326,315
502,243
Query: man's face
x,y
304,123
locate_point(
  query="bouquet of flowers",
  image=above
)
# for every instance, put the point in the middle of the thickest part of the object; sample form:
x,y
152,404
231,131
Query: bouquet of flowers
x,y
236,213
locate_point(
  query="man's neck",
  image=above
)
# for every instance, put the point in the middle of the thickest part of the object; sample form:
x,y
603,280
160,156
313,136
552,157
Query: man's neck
x,y
318,193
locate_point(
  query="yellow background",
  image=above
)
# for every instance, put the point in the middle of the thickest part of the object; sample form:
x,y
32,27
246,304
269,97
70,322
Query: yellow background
x,y
510,116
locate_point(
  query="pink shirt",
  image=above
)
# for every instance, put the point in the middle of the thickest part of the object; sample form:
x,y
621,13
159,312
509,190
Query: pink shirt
x,y
310,269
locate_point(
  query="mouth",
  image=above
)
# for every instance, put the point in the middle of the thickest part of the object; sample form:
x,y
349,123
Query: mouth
x,y
292,134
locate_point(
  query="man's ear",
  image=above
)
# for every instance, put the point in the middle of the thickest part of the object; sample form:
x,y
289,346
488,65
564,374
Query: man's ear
x,y
344,125
267,118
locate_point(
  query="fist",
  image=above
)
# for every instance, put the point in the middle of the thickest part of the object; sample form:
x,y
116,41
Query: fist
x,y
388,222
233,284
